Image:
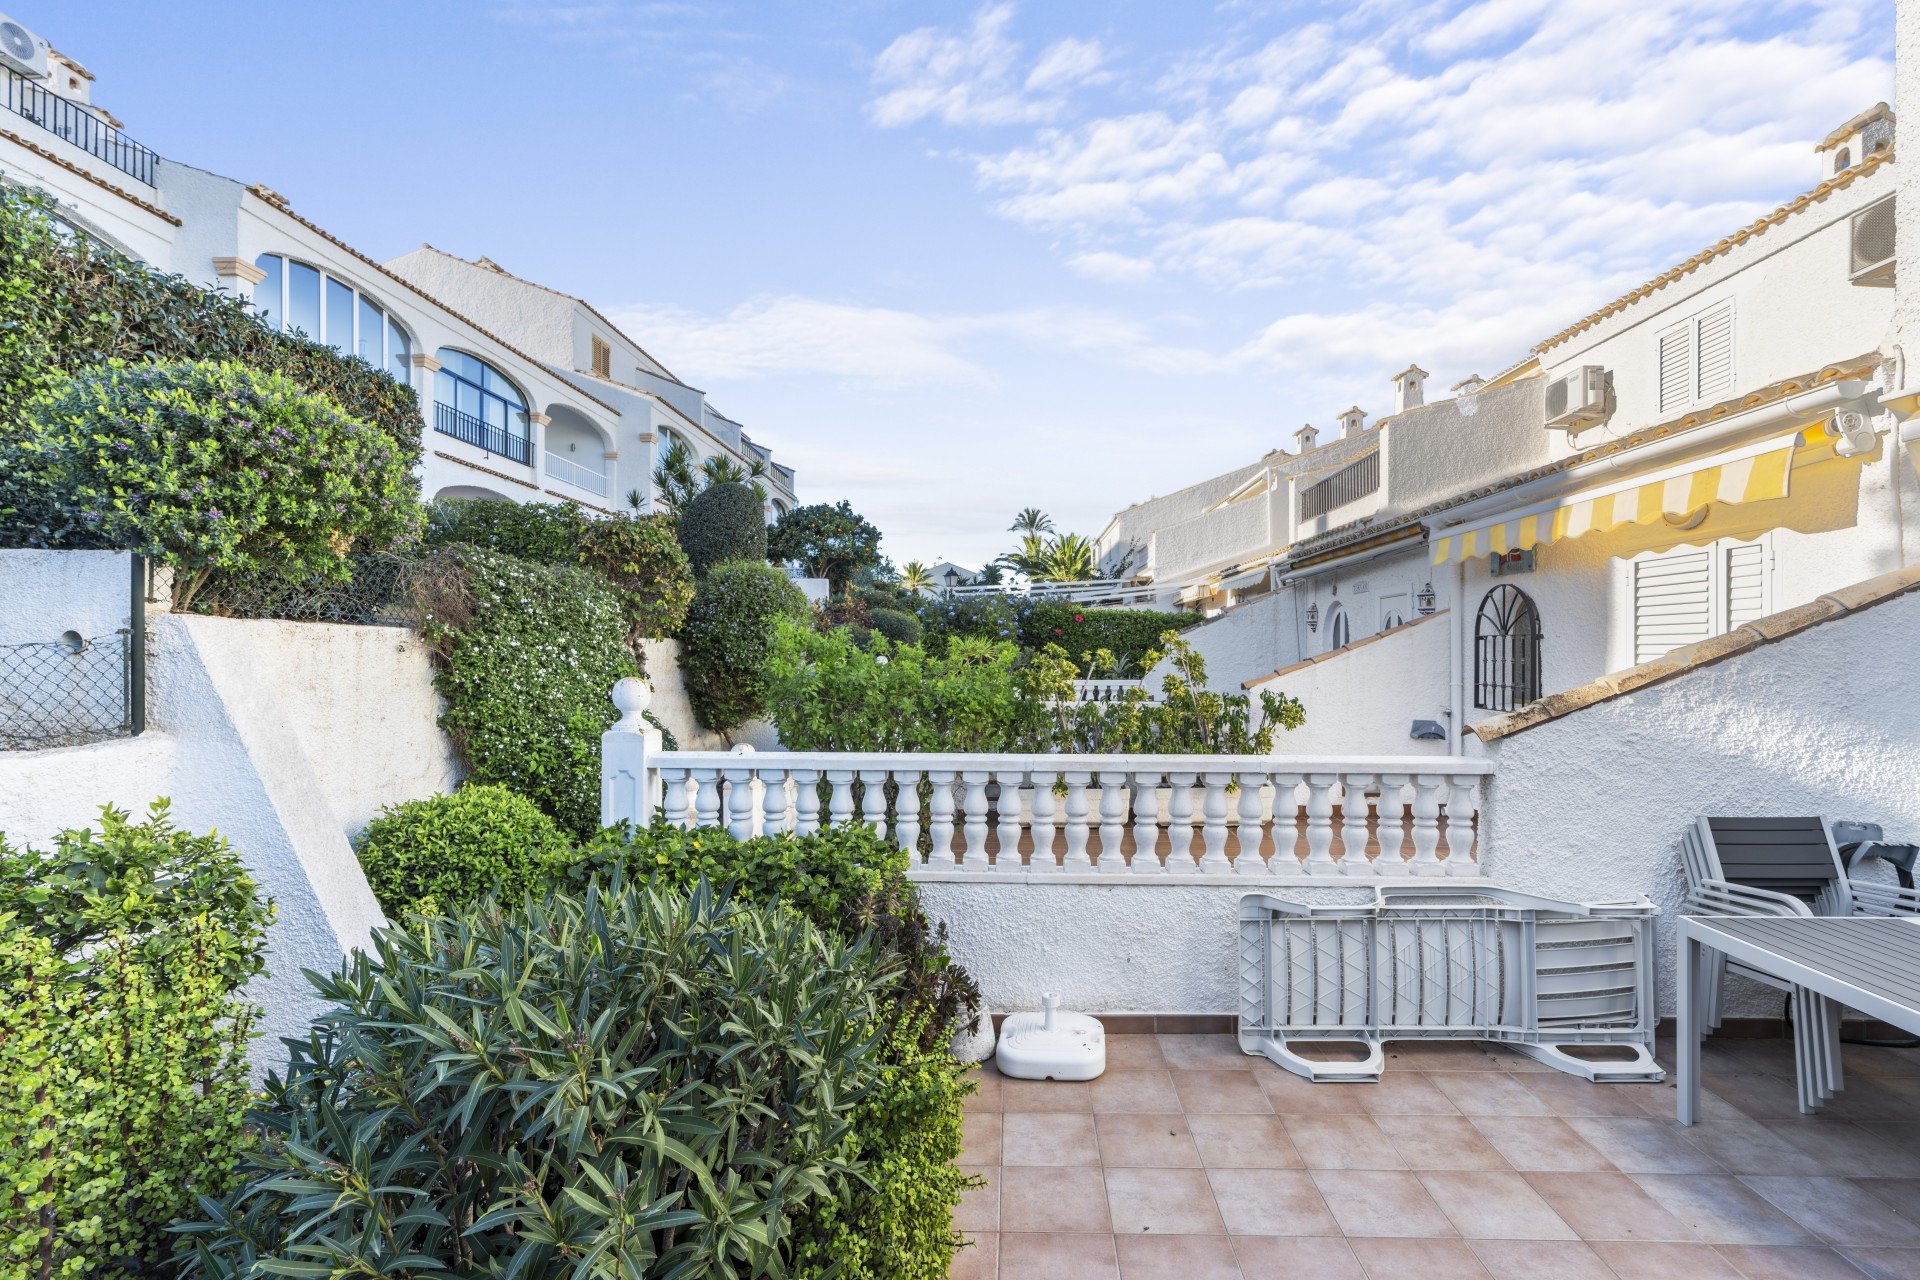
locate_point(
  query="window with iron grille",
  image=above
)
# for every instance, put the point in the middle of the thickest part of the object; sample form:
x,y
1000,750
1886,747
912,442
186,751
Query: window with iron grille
x,y
1349,484
1506,650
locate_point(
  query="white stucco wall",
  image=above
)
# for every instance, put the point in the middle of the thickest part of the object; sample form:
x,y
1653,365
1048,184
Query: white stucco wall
x,y
113,217
1441,449
1364,700
46,593
45,792
1241,530
1247,641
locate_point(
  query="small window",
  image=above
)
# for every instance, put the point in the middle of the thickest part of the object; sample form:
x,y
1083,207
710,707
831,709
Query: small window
x,y
1391,619
1339,630
1842,159
1506,650
1696,359
602,358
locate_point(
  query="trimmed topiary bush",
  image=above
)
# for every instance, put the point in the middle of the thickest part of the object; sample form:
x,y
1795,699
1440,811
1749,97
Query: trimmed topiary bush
x,y
543,532
123,1041
728,638
635,1082
431,855
723,523
897,626
643,560
210,466
1128,634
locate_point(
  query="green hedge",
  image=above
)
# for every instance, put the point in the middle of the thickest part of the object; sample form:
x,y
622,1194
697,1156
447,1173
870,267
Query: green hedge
x,y
1128,634
123,1041
729,636
543,532
432,854
723,523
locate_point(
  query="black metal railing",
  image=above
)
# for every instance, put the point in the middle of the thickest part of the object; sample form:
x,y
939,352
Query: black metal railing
x,y
449,421
1352,482
73,123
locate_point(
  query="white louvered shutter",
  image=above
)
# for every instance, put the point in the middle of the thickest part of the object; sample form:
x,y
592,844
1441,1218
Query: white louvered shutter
x,y
1672,601
1676,367
1746,578
1713,353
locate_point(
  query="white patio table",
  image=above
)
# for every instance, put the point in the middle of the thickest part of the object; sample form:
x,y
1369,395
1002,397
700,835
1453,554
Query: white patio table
x,y
1870,964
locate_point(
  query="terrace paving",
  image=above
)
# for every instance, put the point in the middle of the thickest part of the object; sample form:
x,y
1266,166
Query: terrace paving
x,y
1191,1161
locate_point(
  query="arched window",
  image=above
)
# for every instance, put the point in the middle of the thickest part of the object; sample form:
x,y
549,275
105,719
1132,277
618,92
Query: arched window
x,y
669,439
1392,618
474,402
1339,630
1506,650
297,297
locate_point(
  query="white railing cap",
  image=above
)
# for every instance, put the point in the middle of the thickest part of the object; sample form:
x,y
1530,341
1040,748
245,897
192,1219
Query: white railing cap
x,y
972,762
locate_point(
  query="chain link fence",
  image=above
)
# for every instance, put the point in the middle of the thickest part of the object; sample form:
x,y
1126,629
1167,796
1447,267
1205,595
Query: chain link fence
x,y
375,594
61,693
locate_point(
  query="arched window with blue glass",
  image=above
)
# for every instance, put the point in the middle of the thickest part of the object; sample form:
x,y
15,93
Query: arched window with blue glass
x,y
297,297
474,402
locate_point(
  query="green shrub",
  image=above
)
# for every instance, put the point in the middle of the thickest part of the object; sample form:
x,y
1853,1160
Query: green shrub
x,y
901,628
528,655
212,466
1128,634
721,524
543,532
1186,718
634,1083
434,854
982,617
729,635
830,541
643,561
123,1040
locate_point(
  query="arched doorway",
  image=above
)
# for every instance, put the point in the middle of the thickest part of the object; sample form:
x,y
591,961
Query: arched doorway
x,y
1506,650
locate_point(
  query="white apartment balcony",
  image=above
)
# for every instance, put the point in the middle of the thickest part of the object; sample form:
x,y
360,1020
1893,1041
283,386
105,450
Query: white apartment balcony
x,y
568,470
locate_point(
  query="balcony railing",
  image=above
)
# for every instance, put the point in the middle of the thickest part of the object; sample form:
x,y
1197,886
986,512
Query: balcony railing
x,y
1095,591
74,124
1349,484
449,421
567,471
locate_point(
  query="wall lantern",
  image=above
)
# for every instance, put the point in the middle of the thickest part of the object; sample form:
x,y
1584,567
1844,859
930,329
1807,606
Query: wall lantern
x,y
1313,617
1424,599
952,578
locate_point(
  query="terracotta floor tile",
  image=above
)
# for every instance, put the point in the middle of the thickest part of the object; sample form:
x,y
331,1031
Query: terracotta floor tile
x,y
1544,1144
1567,1095
1146,1142
1243,1142
1057,1257
1047,1138
1148,1090
1495,1206
1406,1093
1046,1095
1902,1194
1608,1206
1721,1209
1877,1061
978,1259
1388,1259
1162,1201
1441,1055
1221,1093
1632,1261
1052,1200
1439,1142
980,1137
1270,1202
1489,1093
1293,1095
1151,1257
1837,1211
1852,1150
1885,1264
1643,1145
1342,1142
979,1207
1134,1053
1540,1260
1776,1262
1371,1202
1204,1053
986,1090
1747,1146
1296,1258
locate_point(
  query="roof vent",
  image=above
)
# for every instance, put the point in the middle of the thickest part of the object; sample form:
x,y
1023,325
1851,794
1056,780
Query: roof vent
x,y
1871,241
1409,388
1353,422
1306,438
1468,385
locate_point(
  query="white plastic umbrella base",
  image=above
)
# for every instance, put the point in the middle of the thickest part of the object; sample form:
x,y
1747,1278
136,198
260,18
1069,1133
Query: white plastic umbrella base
x,y
1051,1045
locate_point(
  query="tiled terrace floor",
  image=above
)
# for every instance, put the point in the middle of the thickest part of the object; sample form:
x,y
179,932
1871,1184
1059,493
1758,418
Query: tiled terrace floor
x,y
1191,1161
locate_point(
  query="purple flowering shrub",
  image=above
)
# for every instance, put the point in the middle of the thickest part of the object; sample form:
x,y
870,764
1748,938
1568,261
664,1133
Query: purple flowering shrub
x,y
213,466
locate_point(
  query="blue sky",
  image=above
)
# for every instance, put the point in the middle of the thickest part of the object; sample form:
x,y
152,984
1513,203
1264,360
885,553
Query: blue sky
x,y
951,260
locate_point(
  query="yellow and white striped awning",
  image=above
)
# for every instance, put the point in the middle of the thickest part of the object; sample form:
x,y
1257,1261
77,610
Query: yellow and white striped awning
x,y
1748,474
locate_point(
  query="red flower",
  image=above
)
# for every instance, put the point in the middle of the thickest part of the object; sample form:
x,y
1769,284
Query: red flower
x,y
1079,617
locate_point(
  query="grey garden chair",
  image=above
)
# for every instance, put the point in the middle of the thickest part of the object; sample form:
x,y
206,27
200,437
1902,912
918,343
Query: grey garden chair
x,y
1774,867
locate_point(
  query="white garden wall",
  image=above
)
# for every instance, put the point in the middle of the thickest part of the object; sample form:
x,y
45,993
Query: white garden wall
x,y
1363,700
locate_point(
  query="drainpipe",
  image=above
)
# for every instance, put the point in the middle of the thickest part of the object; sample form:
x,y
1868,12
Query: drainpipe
x,y
1456,658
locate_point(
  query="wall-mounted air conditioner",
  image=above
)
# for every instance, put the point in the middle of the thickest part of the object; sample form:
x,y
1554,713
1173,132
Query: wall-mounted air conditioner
x,y
1870,242
1577,398
22,50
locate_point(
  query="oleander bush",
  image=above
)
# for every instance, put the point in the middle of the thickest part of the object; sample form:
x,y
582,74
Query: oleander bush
x,y
723,523
1128,635
527,655
634,1081
123,1041
211,466
543,532
431,855
643,561
729,639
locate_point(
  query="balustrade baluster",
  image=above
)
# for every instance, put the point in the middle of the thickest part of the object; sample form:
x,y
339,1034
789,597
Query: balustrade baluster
x,y
906,811
740,803
1426,824
1180,823
1113,820
706,801
674,806
1146,823
1076,821
1462,807
940,818
1045,806
806,801
1006,819
840,797
773,800
1249,859
973,848
1390,829
873,800
1320,823
1213,812
1353,823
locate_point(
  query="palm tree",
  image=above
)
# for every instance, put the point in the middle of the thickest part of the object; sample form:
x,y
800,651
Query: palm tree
x,y
1068,558
915,576
1029,558
674,479
721,469
1031,521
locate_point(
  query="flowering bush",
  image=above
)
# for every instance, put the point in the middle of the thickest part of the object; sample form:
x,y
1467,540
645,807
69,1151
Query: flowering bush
x,y
1129,635
543,532
982,617
213,466
643,561
729,638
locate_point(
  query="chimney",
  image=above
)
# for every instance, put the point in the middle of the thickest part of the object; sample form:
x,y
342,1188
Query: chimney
x,y
1409,388
1353,422
1468,385
1306,438
1854,141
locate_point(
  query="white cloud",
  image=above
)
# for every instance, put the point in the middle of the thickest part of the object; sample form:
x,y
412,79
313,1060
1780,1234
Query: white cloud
x,y
1113,268
973,76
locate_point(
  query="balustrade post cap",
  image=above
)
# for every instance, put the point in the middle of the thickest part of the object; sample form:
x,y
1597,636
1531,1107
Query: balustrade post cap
x,y
632,697
743,749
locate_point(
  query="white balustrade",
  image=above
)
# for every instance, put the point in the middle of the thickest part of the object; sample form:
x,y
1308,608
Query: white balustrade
x,y
1111,815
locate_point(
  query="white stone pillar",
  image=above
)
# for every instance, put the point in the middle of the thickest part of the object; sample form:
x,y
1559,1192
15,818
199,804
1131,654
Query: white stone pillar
x,y
629,787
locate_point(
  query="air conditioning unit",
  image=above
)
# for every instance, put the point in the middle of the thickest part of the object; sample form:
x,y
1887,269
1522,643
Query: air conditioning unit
x,y
1871,245
22,50
1577,399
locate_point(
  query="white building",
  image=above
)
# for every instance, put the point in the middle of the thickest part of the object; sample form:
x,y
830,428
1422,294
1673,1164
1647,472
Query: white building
x,y
526,394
